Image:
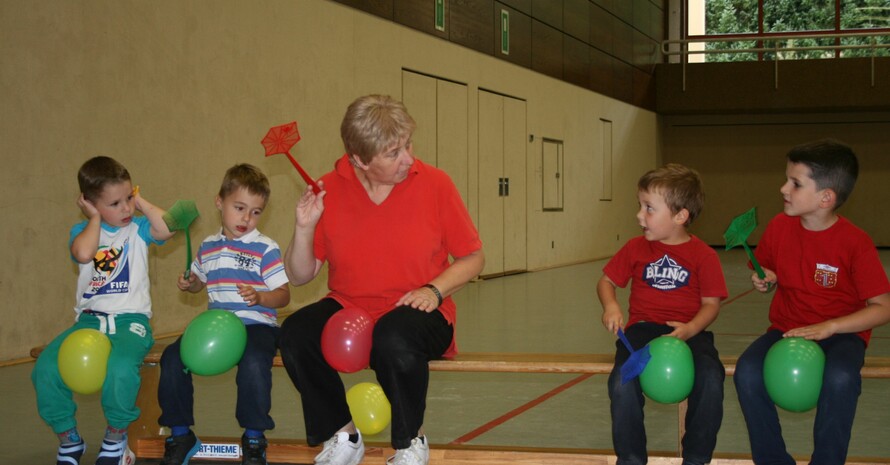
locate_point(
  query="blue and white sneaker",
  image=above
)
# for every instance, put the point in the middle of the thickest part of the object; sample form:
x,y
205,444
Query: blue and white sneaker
x,y
70,454
180,449
115,453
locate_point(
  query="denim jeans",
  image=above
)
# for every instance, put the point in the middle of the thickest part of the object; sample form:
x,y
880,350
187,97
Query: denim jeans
x,y
254,380
841,385
705,408
404,341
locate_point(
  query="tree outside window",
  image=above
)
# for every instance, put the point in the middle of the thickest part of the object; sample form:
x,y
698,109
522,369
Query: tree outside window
x,y
744,21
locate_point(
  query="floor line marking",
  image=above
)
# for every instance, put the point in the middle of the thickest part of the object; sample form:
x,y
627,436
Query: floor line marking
x,y
517,411
539,400
734,298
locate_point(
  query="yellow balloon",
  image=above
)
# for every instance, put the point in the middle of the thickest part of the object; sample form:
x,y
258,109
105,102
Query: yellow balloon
x,y
370,408
83,360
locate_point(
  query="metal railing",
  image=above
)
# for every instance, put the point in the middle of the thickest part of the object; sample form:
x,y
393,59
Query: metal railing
x,y
680,47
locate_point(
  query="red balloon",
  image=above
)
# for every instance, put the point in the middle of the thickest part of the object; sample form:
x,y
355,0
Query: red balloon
x,y
346,340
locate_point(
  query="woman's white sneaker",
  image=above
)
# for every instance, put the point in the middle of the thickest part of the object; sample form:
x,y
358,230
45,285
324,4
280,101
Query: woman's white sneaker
x,y
339,450
417,454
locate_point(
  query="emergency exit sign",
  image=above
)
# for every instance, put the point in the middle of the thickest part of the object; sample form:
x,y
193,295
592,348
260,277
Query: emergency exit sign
x,y
505,32
440,15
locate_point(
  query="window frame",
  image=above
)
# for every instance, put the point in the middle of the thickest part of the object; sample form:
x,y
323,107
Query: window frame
x,y
837,32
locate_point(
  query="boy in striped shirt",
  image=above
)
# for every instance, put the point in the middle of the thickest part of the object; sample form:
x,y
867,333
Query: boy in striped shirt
x,y
243,273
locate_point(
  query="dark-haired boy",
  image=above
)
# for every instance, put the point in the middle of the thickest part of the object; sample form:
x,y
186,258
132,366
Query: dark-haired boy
x,y
830,288
113,296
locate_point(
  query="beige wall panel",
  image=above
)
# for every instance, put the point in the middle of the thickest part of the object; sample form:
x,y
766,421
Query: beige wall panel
x,y
452,140
491,172
419,96
440,110
742,163
180,91
516,202
587,227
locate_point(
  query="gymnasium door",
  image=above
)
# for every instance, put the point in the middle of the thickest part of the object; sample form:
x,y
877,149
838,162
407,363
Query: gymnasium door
x,y
440,109
502,183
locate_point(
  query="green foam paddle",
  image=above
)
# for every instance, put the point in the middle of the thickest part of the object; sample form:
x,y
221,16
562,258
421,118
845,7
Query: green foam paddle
x,y
178,218
737,234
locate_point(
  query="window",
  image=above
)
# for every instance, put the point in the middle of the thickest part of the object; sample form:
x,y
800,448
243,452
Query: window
x,y
857,25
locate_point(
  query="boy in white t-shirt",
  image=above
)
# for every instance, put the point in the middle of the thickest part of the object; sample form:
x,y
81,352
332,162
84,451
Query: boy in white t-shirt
x,y
111,250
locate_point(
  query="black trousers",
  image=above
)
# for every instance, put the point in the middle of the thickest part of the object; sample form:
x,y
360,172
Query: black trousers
x,y
404,341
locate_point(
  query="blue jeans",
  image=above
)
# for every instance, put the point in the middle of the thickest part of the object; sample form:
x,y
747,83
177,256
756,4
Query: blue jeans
x,y
841,385
705,412
254,380
404,342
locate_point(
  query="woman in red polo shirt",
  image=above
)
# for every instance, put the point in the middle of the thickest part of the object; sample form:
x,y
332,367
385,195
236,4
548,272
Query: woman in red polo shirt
x,y
387,224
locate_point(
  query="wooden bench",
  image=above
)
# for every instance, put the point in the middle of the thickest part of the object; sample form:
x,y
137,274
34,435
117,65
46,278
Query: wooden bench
x,y
147,437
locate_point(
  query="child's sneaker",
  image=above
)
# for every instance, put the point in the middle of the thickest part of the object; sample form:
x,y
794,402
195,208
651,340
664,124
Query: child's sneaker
x,y
253,451
417,454
70,454
339,450
180,449
115,453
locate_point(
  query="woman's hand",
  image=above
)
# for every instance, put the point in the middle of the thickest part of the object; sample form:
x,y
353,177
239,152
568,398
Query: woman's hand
x,y
422,298
310,206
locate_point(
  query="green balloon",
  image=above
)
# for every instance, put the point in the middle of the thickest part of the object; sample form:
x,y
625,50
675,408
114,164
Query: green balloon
x,y
213,343
792,373
670,373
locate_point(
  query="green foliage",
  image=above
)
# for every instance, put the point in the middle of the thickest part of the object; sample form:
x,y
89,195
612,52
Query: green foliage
x,y
730,17
865,14
740,17
798,15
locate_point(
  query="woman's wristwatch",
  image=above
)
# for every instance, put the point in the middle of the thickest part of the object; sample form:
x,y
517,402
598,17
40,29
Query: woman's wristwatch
x,y
435,291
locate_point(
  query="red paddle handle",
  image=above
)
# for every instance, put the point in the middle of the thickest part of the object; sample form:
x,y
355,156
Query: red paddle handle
x,y
305,176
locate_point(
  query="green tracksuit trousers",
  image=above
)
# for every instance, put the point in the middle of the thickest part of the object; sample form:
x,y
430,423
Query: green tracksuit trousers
x,y
131,338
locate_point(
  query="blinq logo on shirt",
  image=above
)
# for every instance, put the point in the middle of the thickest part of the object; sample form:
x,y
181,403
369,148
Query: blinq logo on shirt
x,y
665,274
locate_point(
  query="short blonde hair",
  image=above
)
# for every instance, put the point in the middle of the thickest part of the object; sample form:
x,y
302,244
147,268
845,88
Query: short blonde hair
x,y
374,123
680,186
245,176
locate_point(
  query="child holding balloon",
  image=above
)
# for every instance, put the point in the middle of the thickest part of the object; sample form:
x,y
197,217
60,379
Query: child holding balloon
x,y
111,251
243,273
830,288
676,287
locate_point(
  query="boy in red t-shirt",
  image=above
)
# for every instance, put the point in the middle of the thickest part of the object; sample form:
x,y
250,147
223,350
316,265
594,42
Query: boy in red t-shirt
x,y
830,288
676,288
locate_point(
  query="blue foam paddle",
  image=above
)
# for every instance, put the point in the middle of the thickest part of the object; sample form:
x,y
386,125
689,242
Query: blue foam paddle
x,y
636,362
